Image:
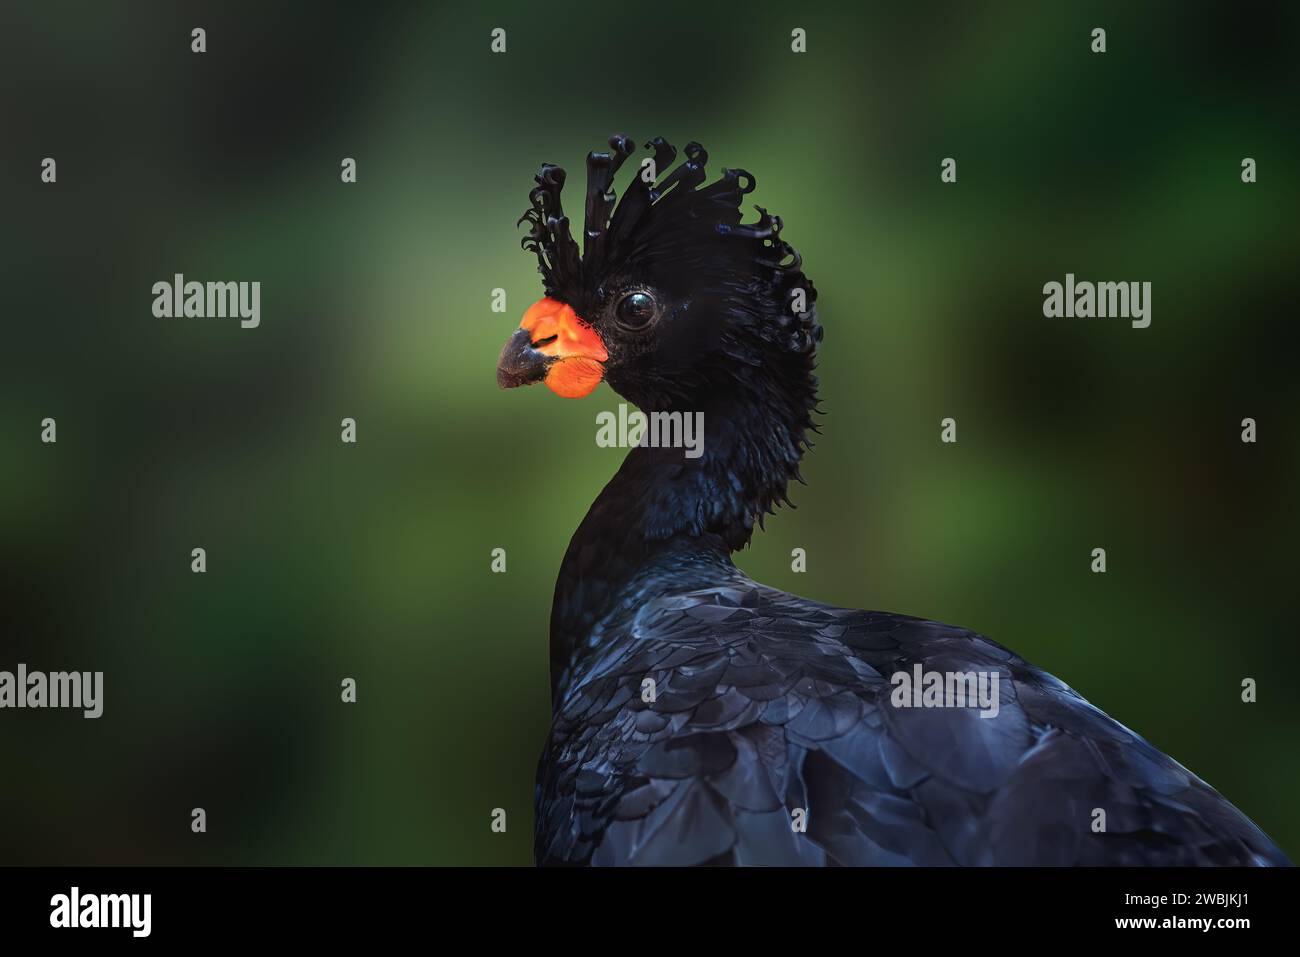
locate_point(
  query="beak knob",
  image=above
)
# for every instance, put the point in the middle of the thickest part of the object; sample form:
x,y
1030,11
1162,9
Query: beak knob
x,y
554,346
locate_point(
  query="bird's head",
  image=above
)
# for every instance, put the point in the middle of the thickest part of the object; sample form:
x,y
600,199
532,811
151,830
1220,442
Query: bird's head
x,y
673,300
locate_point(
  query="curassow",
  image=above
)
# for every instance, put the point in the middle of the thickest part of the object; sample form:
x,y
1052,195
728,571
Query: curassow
x,y
702,718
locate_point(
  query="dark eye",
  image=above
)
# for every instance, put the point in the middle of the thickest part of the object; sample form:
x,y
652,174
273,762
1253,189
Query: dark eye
x,y
637,310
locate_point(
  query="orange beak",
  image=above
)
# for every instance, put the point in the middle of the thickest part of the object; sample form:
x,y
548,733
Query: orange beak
x,y
554,346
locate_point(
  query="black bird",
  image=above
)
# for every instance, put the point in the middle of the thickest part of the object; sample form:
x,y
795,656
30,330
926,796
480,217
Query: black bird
x,y
702,718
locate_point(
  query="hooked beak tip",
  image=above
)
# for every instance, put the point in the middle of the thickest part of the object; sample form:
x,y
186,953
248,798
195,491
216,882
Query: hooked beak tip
x,y
520,364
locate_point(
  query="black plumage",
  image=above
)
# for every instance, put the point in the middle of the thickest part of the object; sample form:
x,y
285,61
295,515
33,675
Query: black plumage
x,y
766,706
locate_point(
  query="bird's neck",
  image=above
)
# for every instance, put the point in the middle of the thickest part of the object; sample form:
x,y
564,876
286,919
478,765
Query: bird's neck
x,y
669,522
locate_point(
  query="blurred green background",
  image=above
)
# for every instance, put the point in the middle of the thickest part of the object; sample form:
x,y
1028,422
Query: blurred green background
x,y
372,561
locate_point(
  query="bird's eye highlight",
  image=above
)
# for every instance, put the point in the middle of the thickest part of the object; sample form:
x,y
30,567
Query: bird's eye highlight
x,y
637,310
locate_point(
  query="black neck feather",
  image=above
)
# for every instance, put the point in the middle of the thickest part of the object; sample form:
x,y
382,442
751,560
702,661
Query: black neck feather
x,y
663,511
